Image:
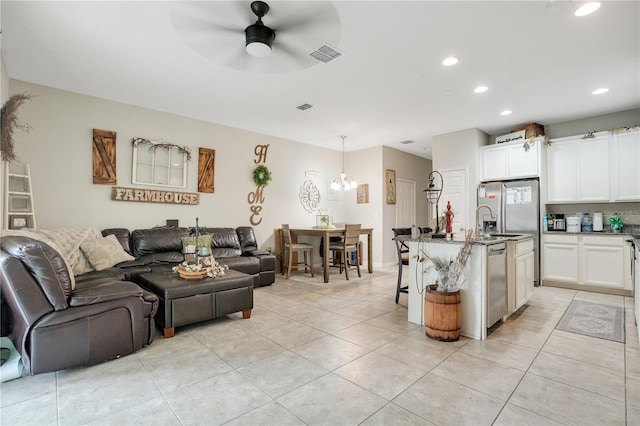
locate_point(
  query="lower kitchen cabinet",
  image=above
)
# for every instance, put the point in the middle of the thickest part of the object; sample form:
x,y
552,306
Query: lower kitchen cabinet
x,y
524,278
560,258
520,272
590,260
602,261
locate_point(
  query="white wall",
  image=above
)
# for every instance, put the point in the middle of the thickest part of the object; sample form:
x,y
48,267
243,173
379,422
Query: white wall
x,y
59,151
459,150
412,168
581,126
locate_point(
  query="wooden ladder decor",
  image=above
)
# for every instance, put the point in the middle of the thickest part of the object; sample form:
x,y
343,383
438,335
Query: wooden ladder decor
x,y
19,210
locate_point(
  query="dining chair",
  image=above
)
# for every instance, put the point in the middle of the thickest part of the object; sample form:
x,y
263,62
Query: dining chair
x,y
399,235
290,247
349,244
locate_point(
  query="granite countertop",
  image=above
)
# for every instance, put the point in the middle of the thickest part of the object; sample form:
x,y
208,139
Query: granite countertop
x,y
459,239
599,233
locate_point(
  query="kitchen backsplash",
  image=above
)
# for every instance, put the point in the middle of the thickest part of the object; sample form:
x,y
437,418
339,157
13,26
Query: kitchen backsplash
x,y
629,213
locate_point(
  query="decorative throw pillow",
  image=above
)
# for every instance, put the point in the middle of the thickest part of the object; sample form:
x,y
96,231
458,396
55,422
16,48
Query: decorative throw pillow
x,y
105,252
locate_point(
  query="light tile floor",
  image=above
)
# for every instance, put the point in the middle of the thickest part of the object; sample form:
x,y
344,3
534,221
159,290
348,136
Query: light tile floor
x,y
344,354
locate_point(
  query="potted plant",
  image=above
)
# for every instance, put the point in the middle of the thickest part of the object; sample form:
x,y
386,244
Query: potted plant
x,y
442,308
616,223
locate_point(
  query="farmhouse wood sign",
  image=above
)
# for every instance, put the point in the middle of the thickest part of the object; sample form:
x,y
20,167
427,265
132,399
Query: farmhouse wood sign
x,y
154,196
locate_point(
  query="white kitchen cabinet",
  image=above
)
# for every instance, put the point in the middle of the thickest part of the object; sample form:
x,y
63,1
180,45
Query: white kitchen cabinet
x,y
593,179
494,162
578,170
520,273
560,258
510,160
625,173
602,168
561,172
597,261
524,278
602,261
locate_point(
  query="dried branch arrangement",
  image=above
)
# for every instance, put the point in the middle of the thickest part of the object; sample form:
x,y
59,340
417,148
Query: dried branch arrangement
x,y
9,121
450,272
153,146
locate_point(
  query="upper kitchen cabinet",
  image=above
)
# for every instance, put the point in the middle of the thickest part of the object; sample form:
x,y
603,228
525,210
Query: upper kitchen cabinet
x,y
561,172
601,168
593,178
510,160
625,166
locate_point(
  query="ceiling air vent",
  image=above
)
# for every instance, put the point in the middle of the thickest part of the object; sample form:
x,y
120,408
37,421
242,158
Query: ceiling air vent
x,y
406,142
304,106
325,54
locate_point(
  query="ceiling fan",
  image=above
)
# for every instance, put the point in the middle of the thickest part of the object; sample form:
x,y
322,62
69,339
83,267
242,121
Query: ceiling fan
x,y
294,29
258,36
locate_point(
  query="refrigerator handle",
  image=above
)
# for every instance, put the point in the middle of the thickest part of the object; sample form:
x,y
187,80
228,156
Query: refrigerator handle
x,y
503,208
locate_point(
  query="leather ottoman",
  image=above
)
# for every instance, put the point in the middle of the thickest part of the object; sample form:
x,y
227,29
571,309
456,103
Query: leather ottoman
x,y
184,302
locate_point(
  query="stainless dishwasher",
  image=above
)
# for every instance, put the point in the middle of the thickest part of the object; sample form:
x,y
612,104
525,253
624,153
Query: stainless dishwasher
x,y
496,282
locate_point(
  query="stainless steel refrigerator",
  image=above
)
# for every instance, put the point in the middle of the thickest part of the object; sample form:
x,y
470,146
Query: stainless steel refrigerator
x,y
516,204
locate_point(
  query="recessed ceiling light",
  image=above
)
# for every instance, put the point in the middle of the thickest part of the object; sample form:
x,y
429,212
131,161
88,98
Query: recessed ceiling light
x,y
506,112
587,8
480,89
450,61
600,91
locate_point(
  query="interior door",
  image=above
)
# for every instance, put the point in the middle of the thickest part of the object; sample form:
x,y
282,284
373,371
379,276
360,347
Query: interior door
x,y
455,191
405,203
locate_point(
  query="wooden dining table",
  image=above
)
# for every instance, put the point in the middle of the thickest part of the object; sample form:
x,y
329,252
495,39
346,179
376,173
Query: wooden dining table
x,y
335,232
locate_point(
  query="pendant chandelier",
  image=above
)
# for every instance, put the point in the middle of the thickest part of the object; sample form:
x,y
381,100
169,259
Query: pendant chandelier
x,y
343,182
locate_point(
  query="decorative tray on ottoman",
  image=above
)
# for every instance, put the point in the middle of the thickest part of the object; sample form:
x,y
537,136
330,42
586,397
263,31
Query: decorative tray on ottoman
x,y
192,275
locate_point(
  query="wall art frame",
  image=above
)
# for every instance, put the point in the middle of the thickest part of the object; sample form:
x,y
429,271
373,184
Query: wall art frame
x,y
390,186
362,194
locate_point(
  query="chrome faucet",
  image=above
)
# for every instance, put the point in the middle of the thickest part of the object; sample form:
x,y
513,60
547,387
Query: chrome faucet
x,y
493,216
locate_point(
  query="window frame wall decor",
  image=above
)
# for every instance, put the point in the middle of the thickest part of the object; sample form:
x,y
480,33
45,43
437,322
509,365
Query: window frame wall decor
x,y
159,164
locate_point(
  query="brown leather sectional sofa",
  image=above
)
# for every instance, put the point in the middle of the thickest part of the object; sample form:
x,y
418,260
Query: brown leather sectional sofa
x,y
106,315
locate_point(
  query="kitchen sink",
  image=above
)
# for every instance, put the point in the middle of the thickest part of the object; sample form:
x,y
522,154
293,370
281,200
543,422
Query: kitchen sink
x,y
506,235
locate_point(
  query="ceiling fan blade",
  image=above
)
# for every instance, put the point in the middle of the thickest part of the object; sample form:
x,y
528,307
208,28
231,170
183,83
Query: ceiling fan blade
x,y
305,16
203,15
215,29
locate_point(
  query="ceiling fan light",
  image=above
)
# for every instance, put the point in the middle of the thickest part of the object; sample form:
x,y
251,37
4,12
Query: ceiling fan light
x,y
258,40
258,50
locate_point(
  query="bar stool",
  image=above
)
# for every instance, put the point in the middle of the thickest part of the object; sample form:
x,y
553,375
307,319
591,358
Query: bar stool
x,y
399,234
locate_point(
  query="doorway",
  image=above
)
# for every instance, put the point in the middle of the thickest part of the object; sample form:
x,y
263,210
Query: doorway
x,y
405,203
455,191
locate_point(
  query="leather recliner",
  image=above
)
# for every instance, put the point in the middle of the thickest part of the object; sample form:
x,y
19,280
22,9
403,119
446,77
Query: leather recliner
x,y
55,326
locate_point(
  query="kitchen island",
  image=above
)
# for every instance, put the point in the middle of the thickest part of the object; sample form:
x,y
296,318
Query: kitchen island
x,y
474,295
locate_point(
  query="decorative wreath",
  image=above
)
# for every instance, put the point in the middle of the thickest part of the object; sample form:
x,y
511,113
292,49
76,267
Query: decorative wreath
x,y
261,175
